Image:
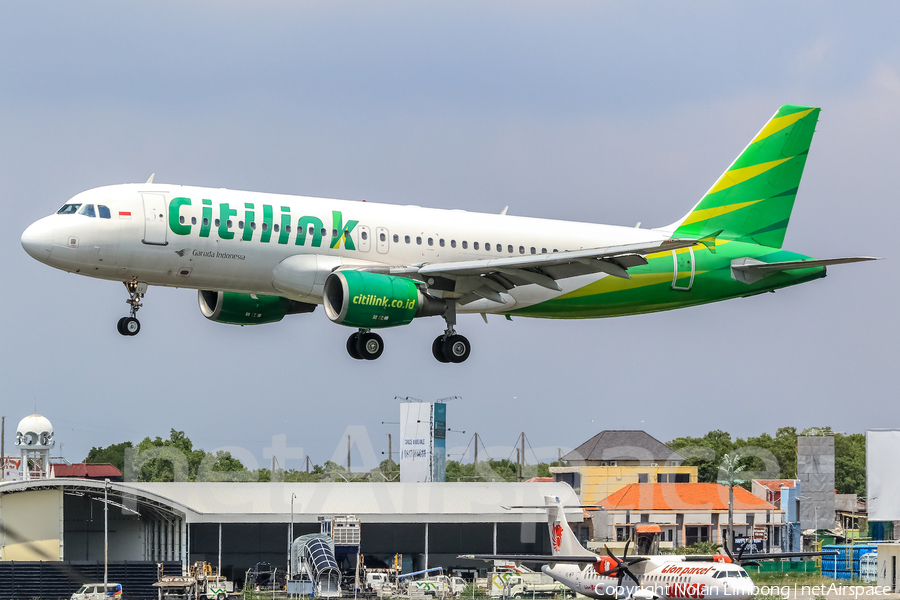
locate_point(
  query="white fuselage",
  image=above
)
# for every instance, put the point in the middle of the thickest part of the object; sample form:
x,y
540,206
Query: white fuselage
x,y
229,240
659,577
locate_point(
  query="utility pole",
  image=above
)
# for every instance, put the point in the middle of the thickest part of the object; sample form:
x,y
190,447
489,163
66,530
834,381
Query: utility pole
x,y
348,453
476,453
522,454
390,454
307,463
519,464
105,535
3,448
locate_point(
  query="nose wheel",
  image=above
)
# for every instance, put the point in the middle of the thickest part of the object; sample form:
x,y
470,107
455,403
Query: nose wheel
x,y
130,325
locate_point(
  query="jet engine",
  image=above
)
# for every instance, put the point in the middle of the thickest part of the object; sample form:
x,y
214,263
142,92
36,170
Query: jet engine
x,y
248,309
372,300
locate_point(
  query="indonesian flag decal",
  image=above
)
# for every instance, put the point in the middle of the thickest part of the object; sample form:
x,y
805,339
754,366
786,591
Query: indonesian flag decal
x,y
556,538
123,214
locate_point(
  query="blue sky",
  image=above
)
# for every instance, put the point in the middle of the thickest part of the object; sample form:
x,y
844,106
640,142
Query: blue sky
x,y
595,111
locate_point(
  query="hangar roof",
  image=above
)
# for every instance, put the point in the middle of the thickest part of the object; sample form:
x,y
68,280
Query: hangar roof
x,y
213,502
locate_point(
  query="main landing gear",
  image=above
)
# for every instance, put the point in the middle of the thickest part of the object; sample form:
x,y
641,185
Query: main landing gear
x,y
450,347
365,345
130,325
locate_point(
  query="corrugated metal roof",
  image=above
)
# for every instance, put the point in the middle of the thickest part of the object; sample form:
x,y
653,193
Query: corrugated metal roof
x,y
206,502
623,444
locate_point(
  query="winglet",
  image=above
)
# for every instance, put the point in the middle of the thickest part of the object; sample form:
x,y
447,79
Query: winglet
x,y
152,175
505,208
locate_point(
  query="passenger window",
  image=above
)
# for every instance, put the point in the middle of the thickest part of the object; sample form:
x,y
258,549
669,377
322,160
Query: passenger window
x,y
265,226
452,243
475,245
509,249
431,241
486,246
441,242
406,238
181,219
364,235
228,223
216,222
104,211
555,250
275,227
521,249
465,244
193,220
287,228
324,232
240,224
533,250
205,222
396,238
543,251
500,248
419,240
253,225
334,233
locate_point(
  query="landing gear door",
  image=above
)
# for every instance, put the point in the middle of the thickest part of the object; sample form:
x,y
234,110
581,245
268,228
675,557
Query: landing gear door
x,y
154,219
683,269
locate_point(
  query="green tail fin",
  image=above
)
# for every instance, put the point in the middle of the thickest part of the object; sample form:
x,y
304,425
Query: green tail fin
x,y
752,201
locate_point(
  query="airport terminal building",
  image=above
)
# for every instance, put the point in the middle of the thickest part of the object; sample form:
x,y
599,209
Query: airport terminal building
x,y
430,524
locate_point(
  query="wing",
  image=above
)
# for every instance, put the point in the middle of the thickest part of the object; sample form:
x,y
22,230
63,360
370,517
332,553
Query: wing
x,y
532,558
471,280
760,556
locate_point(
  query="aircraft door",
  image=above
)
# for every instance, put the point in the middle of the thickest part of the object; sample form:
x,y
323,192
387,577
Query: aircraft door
x,y
683,269
383,240
365,239
154,219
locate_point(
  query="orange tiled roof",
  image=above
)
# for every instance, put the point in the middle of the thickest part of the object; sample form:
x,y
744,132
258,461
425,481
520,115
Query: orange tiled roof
x,y
775,485
682,497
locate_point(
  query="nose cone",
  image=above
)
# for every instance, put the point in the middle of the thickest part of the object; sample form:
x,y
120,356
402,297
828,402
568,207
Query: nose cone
x,y
38,239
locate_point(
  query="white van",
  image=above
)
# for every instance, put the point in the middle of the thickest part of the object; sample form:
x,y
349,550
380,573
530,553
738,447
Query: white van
x,y
94,591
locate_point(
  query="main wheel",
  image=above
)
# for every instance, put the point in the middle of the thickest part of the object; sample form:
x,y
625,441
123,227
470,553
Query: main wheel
x,y
119,326
352,343
437,349
131,326
370,345
456,348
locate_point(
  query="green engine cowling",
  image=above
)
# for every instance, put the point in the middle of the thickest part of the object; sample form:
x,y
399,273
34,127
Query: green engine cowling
x,y
372,300
248,309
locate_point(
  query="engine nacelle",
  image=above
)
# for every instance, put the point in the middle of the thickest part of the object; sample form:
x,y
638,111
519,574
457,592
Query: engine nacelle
x,y
372,300
248,309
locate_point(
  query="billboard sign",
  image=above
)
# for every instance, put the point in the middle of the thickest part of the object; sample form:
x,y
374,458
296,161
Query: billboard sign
x,y
415,442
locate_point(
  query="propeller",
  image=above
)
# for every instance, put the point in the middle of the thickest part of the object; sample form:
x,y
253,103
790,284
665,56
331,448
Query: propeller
x,y
621,567
740,553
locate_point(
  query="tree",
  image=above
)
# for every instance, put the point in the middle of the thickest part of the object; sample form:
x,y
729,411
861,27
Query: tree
x,y
113,454
705,453
850,463
728,471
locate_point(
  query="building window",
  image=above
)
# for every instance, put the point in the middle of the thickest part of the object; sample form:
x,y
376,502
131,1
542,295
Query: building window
x,y
682,477
696,533
642,477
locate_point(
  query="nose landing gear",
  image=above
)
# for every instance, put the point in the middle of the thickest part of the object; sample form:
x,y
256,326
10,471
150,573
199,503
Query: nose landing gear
x,y
130,325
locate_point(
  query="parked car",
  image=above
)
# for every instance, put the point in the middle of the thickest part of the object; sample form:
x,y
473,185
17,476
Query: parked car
x,y
95,591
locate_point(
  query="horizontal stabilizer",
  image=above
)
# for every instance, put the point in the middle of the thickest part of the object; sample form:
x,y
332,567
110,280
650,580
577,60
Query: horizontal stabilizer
x,y
749,270
532,558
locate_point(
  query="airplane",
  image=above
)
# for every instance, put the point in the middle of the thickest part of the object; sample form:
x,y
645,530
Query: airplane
x,y
648,577
255,258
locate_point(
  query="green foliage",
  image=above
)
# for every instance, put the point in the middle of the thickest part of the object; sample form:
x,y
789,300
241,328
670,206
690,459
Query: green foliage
x,y
850,463
705,453
493,470
699,548
114,454
473,591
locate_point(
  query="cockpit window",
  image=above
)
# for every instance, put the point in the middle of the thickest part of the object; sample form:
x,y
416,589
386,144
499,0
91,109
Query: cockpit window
x,y
87,210
104,211
68,209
